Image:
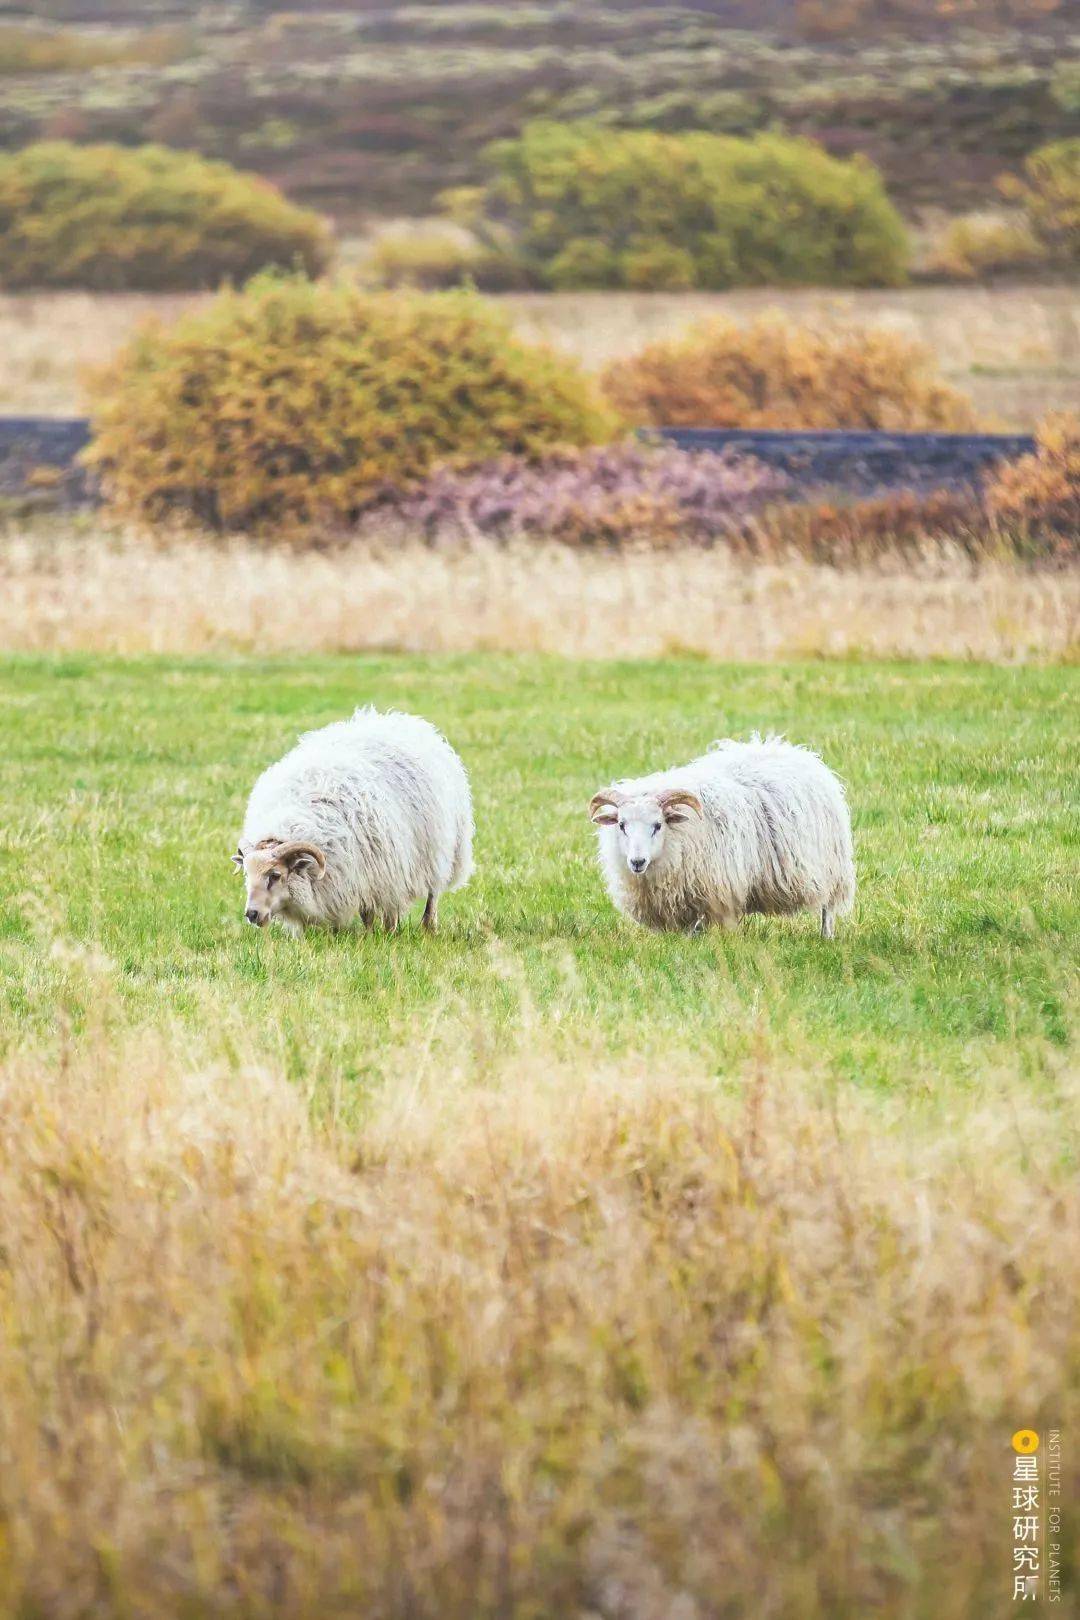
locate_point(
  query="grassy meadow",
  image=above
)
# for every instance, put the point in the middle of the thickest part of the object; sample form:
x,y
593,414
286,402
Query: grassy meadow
x,y
125,782
546,1266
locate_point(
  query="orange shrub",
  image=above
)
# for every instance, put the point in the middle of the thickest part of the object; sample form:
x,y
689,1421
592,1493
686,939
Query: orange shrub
x,y
898,523
774,375
1041,492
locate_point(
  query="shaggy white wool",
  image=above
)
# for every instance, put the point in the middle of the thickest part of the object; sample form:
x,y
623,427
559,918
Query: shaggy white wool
x,y
386,801
774,836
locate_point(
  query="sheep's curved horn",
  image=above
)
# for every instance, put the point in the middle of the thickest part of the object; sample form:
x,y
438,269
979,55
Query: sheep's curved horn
x,y
604,807
679,805
293,855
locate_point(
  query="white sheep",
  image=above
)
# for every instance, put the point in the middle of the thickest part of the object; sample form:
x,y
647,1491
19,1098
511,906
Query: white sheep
x,y
361,818
755,826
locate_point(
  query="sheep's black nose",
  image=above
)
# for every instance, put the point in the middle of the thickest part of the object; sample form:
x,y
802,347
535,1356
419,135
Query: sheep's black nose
x,y
637,866
252,915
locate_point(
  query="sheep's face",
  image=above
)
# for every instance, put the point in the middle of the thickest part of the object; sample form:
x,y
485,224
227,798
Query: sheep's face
x,y
273,874
642,823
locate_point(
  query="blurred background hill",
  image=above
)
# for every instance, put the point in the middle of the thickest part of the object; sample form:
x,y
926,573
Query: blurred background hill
x,y
371,111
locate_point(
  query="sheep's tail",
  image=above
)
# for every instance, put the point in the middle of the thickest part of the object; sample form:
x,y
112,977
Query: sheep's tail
x,y
462,869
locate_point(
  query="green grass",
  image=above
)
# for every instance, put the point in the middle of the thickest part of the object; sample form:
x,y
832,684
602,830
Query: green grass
x,y
123,783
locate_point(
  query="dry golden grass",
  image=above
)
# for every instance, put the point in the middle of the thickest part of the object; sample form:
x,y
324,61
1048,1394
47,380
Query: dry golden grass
x,y
98,591
48,339
1015,350
533,1338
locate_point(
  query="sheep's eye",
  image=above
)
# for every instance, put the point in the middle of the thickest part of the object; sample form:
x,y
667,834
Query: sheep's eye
x,y
622,828
656,826
271,879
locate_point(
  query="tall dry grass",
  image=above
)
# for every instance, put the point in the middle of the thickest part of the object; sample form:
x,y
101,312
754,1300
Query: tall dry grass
x,y
107,592
47,340
1015,350
535,1338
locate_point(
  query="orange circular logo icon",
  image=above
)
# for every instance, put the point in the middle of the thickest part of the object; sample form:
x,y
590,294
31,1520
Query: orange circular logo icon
x,y
1025,1440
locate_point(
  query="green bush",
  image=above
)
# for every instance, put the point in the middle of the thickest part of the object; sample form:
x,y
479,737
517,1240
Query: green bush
x,y
584,262
293,403
113,218
1052,196
659,267
595,207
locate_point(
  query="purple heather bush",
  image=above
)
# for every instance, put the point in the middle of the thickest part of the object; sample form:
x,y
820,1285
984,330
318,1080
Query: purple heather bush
x,y
609,496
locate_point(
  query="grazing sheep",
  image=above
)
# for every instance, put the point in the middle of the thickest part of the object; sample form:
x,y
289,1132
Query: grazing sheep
x,y
755,826
360,818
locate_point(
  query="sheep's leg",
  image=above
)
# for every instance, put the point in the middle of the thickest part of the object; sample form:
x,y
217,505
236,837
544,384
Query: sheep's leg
x,y
430,919
828,923
724,919
290,926
367,920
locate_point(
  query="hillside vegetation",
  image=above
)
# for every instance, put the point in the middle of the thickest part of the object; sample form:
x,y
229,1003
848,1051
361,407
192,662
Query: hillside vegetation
x,y
377,109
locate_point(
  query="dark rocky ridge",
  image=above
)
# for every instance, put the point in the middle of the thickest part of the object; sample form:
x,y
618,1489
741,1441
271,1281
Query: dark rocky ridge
x,y
39,458
865,462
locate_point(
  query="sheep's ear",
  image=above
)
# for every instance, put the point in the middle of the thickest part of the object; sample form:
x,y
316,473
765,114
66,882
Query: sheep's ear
x,y
302,858
238,859
680,806
603,809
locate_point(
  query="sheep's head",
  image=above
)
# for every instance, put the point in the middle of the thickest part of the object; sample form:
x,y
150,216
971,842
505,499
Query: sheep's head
x,y
642,821
273,873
